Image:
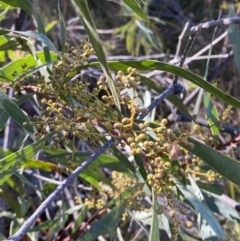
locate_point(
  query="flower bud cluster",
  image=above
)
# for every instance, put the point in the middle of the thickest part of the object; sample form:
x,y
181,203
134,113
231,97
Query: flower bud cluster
x,y
73,112
227,113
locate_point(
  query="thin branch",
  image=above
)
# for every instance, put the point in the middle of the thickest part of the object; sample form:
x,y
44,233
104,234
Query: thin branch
x,y
31,220
180,117
185,54
180,40
196,29
214,23
100,31
172,89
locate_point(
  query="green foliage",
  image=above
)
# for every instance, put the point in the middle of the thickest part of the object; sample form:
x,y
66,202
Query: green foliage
x,y
150,159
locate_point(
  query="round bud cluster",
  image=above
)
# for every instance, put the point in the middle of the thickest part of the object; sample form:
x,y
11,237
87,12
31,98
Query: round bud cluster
x,y
129,81
22,78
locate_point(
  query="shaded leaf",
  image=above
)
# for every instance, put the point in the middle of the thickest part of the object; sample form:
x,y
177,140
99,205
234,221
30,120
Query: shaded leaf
x,y
201,208
10,108
225,165
92,174
140,162
207,232
81,217
63,28
104,225
218,206
4,116
213,188
112,162
11,163
12,202
130,37
25,180
45,225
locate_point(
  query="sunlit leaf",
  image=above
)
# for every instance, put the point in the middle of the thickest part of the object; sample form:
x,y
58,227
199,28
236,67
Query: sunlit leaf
x,y
29,8
137,9
31,34
149,65
51,25
211,115
41,165
154,231
16,66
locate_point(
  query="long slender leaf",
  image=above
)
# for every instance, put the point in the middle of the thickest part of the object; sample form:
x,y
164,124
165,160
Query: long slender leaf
x,y
137,9
207,232
84,14
218,206
63,28
11,163
200,207
29,8
226,166
154,231
82,215
41,165
4,116
211,115
104,225
8,198
92,173
10,108
148,65
45,225
31,34
107,161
